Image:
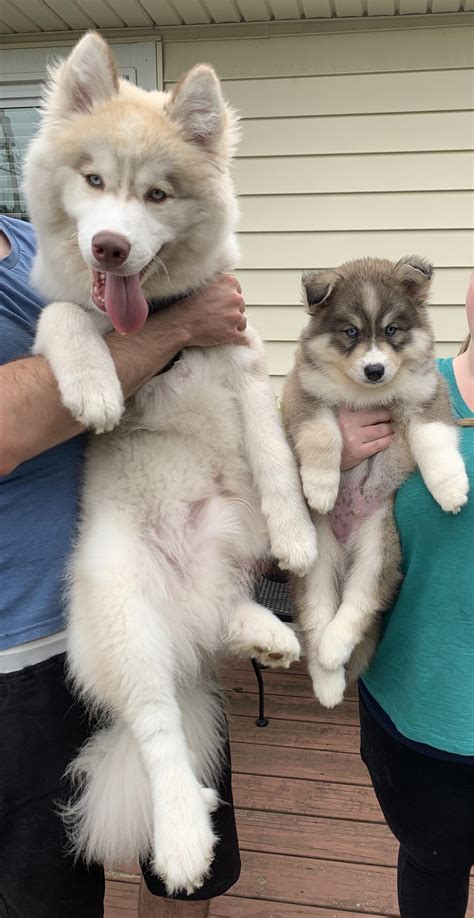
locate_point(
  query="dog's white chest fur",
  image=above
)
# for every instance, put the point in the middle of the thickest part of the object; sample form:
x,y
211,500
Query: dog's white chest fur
x,y
176,472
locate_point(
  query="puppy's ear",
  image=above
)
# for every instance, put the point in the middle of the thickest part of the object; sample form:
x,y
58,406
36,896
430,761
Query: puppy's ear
x,y
88,76
317,289
416,274
197,105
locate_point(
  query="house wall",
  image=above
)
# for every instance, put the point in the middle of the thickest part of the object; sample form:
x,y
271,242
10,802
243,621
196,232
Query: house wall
x,y
355,141
352,144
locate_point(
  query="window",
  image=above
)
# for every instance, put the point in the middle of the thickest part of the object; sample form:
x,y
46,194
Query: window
x,y
17,127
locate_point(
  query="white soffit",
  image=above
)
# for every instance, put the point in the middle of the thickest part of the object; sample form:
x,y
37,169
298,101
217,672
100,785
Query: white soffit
x,y
36,16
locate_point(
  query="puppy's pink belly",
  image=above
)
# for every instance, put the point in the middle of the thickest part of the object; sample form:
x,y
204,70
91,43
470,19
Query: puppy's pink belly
x,y
352,507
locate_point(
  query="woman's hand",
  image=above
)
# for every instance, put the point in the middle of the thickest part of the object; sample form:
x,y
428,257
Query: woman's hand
x,y
364,433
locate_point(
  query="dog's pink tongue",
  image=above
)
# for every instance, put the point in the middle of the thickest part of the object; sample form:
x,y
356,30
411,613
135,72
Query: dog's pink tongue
x,y
125,303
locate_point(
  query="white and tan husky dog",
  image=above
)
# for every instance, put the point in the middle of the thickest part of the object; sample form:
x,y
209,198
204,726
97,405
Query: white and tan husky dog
x,y
368,344
196,482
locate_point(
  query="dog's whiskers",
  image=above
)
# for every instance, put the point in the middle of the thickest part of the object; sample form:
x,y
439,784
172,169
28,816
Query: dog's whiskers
x,y
157,260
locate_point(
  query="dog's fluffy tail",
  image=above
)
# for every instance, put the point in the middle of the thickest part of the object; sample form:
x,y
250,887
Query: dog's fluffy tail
x,y
109,819
205,727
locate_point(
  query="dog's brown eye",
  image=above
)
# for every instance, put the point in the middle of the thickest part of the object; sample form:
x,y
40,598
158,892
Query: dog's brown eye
x,y
156,195
352,332
94,180
391,330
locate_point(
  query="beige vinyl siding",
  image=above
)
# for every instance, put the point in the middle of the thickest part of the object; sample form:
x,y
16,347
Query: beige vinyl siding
x,y
352,144
355,173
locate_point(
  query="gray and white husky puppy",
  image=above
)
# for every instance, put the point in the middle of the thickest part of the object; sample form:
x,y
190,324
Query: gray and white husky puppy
x,y
368,344
196,482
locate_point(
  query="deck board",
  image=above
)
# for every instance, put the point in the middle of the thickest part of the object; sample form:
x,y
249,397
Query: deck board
x,y
307,798
311,764
297,735
284,707
315,836
232,907
313,881
313,840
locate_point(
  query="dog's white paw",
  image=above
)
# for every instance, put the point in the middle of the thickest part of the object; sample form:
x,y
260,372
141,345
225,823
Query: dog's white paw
x,y
451,493
95,400
321,488
294,545
328,686
255,633
276,646
185,840
335,645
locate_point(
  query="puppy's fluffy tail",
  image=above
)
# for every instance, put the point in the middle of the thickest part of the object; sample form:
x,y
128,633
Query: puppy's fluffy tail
x,y
109,819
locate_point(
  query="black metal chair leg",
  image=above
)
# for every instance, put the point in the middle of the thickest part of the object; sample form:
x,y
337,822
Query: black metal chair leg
x,y
261,721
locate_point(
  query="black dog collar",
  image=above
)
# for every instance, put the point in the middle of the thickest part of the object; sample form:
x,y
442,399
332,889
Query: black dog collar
x,y
157,306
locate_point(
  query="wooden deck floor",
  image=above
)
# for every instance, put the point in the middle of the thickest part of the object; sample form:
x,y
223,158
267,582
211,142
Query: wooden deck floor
x,y
313,840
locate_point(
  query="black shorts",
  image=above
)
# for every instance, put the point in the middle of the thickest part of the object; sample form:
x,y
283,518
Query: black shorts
x,y
428,804
41,728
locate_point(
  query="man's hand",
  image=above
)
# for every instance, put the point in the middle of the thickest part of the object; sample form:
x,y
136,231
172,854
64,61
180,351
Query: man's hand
x,y
214,315
364,433
32,417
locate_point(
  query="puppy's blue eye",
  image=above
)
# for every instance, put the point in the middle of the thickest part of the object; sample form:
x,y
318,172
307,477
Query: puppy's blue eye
x,y
95,181
156,195
391,330
352,332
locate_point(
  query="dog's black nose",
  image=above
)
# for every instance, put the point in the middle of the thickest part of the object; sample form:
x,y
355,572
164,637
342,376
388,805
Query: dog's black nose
x,y
374,371
110,249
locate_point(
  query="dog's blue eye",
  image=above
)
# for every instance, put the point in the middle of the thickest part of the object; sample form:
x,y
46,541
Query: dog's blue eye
x,y
157,195
352,331
95,181
391,330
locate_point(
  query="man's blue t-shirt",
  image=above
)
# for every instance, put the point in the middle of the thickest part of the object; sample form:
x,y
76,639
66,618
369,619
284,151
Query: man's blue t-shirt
x,y
38,500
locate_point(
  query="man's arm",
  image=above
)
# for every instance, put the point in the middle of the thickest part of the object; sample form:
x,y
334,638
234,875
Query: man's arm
x,y
32,418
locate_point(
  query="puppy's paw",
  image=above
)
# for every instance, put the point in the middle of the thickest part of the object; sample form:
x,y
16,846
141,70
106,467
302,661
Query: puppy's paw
x,y
292,537
451,493
96,401
321,488
335,646
328,686
184,838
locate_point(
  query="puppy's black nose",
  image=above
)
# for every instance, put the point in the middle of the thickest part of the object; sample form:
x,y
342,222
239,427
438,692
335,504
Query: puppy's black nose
x,y
110,249
374,371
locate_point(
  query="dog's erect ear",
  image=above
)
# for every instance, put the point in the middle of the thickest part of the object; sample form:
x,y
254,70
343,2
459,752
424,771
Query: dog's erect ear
x,y
317,289
416,274
89,75
197,105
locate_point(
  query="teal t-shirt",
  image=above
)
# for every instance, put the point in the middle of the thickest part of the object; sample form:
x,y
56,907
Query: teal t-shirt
x,y
422,674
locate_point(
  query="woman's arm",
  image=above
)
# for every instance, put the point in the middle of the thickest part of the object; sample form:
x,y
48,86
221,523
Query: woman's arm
x,y
364,433
32,418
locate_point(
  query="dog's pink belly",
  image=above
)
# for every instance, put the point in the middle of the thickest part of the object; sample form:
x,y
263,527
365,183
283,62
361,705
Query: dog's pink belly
x,y
205,532
352,507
